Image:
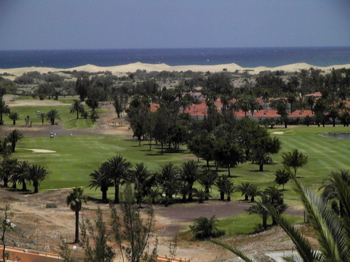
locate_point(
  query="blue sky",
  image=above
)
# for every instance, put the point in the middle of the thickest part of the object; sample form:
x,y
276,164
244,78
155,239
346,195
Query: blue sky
x,y
93,24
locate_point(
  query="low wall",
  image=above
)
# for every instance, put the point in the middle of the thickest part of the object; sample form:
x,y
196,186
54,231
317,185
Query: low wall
x,y
26,255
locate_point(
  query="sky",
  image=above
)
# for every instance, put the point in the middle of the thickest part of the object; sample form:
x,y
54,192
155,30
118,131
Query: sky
x,y
114,24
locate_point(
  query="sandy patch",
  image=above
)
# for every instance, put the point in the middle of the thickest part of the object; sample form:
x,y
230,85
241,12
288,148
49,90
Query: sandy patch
x,y
42,151
36,103
164,67
278,133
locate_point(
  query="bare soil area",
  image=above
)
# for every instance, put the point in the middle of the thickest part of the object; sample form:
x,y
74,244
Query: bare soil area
x,y
42,228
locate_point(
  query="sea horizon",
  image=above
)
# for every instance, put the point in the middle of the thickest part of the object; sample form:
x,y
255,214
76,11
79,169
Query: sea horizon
x,y
243,56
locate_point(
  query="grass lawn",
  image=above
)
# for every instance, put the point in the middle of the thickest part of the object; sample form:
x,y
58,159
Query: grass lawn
x,y
244,223
77,156
63,108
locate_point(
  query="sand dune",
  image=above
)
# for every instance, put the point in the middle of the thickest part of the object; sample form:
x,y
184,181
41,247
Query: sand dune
x,y
164,67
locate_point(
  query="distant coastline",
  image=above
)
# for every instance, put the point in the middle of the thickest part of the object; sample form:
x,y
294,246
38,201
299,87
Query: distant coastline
x,y
133,67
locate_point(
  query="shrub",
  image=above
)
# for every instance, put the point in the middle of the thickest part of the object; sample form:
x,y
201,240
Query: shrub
x,y
203,228
51,205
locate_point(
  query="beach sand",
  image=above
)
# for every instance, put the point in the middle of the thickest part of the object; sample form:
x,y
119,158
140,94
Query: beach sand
x,y
130,68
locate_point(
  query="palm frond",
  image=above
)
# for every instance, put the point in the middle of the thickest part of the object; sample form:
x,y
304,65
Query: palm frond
x,y
302,245
327,225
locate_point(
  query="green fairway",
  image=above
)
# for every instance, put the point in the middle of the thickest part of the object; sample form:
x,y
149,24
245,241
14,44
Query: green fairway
x,y
77,156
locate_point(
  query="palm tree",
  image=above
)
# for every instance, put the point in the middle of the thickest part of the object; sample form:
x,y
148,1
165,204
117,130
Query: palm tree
x,y
13,137
36,174
5,148
253,191
330,193
207,180
200,194
168,179
260,210
100,180
244,189
294,159
332,232
14,116
7,168
77,107
229,189
21,174
75,200
190,173
4,109
225,186
333,113
220,183
52,115
143,181
282,177
42,117
276,200
203,227
117,168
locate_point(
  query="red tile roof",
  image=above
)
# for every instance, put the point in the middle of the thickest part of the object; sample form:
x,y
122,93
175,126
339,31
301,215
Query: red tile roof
x,y
317,94
301,113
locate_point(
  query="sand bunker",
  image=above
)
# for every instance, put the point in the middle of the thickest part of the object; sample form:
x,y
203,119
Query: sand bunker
x,y
278,133
42,151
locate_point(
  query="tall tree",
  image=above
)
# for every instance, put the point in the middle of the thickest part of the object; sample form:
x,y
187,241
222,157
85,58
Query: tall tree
x,y
14,116
190,173
42,117
201,146
117,169
52,115
82,86
132,229
99,179
262,148
21,174
168,179
13,137
259,209
228,154
143,181
207,179
294,159
99,249
4,109
282,177
75,200
36,174
7,168
77,107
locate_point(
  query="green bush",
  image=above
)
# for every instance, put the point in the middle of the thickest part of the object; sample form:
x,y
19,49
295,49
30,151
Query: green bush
x,y
51,205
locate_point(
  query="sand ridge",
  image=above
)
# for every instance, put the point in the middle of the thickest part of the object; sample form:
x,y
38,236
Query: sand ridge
x,y
133,67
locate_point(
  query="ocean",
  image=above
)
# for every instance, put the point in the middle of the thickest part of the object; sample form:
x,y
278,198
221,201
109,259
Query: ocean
x,y
245,57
